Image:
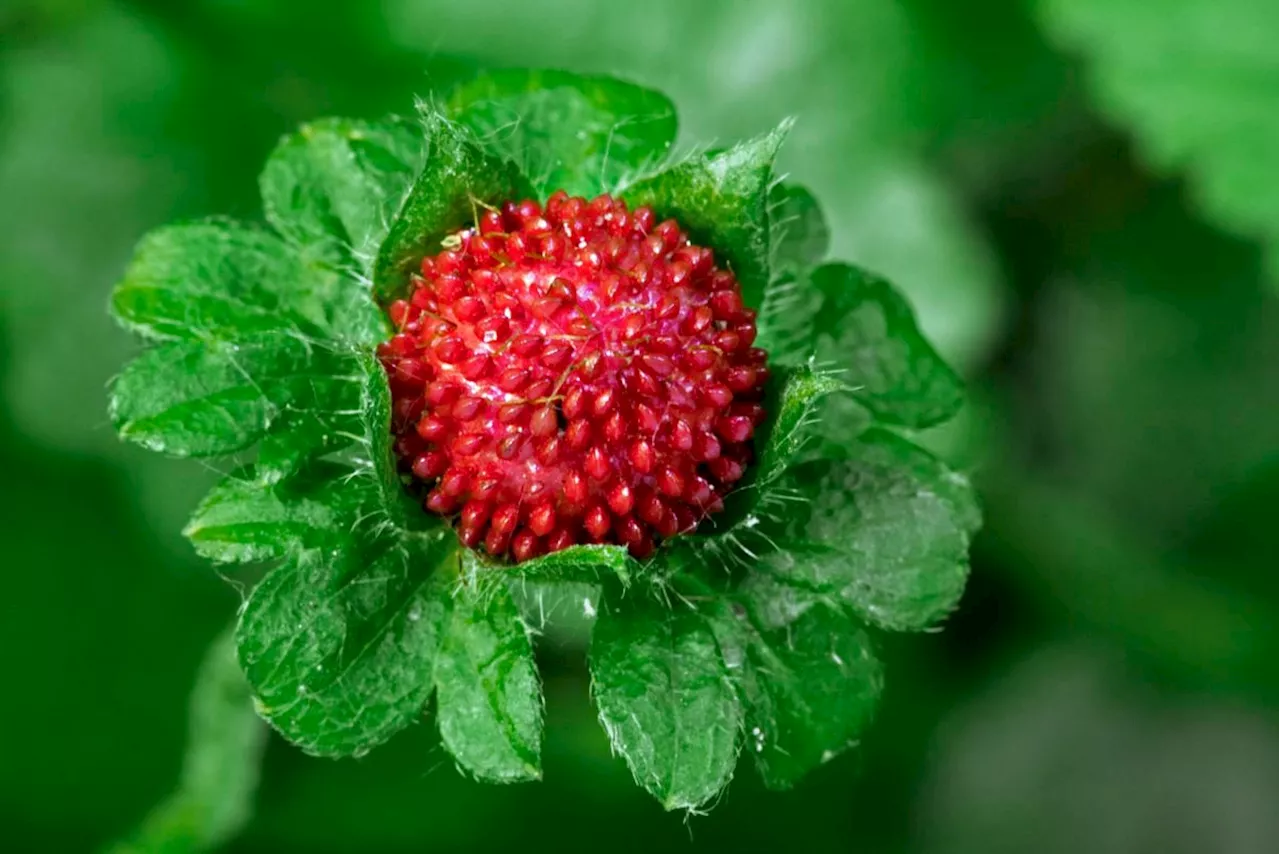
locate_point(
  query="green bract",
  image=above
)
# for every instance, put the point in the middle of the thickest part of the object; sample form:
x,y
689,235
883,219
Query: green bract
x,y
755,633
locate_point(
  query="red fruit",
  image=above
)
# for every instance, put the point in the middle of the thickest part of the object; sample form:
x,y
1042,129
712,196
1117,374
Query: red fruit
x,y
574,372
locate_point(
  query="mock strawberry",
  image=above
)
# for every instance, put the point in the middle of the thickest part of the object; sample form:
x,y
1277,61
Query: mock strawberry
x,y
574,373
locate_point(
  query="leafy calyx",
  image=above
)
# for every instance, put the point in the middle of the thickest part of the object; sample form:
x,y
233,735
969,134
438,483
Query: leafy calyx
x,y
752,631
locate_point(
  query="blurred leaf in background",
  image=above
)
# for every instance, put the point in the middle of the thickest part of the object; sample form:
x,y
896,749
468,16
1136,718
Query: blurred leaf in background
x,y
1197,84
225,737
1064,753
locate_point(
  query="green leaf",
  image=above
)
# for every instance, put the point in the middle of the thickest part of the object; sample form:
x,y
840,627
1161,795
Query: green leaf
x,y
585,563
794,399
375,416
584,134
488,696
190,398
795,402
861,326
300,434
334,187
888,530
722,200
799,236
340,646
221,280
1197,84
457,179
225,739
807,675
665,701
247,518
798,239
215,280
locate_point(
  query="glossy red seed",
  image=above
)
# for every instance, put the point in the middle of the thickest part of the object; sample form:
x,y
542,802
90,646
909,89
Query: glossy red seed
x,y
629,531
686,518
470,533
681,435
504,518
439,502
450,350
615,429
740,378
698,492
596,522
441,393
475,367
603,403
430,465
621,499
735,428
578,434
493,329
651,509
543,422
496,542
467,444
547,450
525,545
641,456
646,419
706,448
726,470
513,379
671,482
510,446
576,488
433,429
468,309
455,482
485,487
542,519
467,408
475,513
575,403
596,464
526,346
511,413
579,368
556,356
643,547
560,540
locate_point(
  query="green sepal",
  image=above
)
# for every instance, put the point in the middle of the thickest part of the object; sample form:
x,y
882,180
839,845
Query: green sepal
x,y
334,186
584,134
722,200
799,236
578,564
457,182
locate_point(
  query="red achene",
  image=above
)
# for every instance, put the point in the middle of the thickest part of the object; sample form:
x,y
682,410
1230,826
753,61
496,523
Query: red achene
x,y
574,373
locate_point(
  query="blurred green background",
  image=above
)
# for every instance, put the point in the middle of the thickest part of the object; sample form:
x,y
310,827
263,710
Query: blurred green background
x,y
1079,195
